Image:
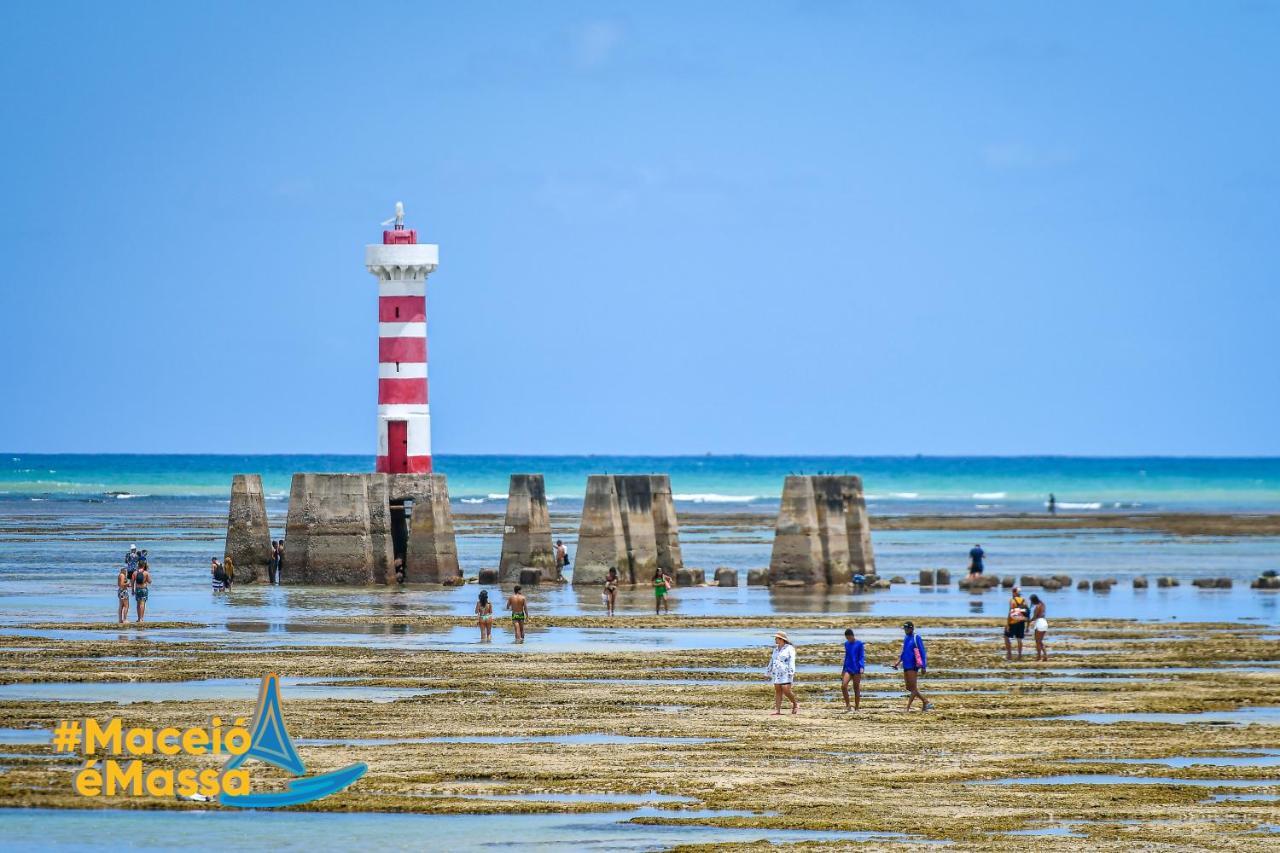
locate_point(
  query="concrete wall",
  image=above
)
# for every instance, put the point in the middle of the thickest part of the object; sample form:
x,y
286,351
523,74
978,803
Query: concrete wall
x,y
432,554
823,534
327,534
526,537
248,535
628,523
378,490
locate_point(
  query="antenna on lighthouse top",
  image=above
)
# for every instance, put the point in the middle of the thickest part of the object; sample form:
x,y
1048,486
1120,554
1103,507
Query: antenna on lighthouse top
x,y
398,219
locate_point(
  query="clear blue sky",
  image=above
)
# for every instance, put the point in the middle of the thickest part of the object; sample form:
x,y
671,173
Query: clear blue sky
x,y
992,228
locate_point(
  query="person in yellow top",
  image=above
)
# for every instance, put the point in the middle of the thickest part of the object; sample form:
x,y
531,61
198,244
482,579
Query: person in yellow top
x,y
1016,624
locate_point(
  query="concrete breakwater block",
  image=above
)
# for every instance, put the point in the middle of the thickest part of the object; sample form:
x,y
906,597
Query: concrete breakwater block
x,y
942,577
926,577
757,577
628,524
1266,582
526,536
488,577
432,552
690,577
1140,583
1212,583
726,577
327,532
530,577
248,534
1165,582
981,582
823,533
381,548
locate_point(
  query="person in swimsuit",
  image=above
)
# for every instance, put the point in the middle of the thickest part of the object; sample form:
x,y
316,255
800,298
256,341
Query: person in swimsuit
x,y
782,672
141,588
913,661
484,615
662,584
611,591
1040,626
1015,627
122,593
229,566
519,608
855,661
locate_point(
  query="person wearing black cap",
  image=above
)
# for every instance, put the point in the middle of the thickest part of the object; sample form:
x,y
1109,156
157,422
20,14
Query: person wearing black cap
x,y
913,661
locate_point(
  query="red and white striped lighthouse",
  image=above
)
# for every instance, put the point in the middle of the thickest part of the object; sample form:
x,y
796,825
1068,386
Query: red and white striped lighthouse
x,y
402,265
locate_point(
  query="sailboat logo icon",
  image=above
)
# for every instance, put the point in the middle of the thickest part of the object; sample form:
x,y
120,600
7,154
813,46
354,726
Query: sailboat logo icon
x,y
270,742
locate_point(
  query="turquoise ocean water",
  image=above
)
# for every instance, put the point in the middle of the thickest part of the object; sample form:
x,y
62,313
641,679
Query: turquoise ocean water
x,y
893,484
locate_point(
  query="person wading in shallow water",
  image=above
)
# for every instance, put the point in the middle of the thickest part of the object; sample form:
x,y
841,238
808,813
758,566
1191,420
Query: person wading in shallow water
x,y
484,615
1040,626
141,588
662,584
782,672
611,591
122,594
976,556
519,608
913,661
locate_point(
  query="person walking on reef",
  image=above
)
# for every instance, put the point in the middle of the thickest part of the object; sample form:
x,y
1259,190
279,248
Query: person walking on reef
x,y
122,594
914,661
562,556
976,556
662,584
1040,626
141,588
1016,625
782,672
1053,504
519,608
280,561
855,661
273,564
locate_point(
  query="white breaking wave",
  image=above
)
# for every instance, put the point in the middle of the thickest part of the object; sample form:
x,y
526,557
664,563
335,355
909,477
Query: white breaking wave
x,y
473,500
1067,505
990,496
496,497
907,495
125,496
712,498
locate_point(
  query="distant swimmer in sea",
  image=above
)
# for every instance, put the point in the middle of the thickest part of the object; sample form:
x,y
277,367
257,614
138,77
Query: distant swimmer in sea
x,y
611,590
484,616
519,608
1040,626
782,672
122,593
1053,504
914,661
855,661
141,588
976,556
662,584
1015,626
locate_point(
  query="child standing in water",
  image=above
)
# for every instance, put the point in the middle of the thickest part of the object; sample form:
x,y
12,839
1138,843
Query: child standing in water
x,y
484,616
661,586
519,608
122,593
855,661
611,590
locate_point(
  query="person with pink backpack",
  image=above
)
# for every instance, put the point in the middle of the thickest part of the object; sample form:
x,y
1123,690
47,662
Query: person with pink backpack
x,y
913,660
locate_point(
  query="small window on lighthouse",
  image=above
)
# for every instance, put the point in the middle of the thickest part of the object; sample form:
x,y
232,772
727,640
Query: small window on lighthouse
x,y
397,367
397,313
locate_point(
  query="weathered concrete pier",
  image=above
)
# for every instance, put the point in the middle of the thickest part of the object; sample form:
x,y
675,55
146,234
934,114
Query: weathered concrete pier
x,y
823,534
629,524
248,534
526,535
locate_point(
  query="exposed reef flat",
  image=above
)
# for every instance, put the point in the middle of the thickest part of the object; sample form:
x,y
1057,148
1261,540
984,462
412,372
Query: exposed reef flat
x,y
822,769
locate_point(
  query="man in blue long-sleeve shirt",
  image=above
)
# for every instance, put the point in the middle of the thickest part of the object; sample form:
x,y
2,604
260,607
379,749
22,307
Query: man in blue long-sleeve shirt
x,y
855,661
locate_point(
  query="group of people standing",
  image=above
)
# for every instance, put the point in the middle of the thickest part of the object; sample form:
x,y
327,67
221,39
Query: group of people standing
x,y
1021,614
912,660
516,603
133,579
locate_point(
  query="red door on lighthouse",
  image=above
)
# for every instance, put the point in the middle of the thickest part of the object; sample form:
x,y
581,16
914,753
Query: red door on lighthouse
x,y
397,447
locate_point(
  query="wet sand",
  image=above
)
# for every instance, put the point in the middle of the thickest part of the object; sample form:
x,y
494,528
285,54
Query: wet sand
x,y
822,769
